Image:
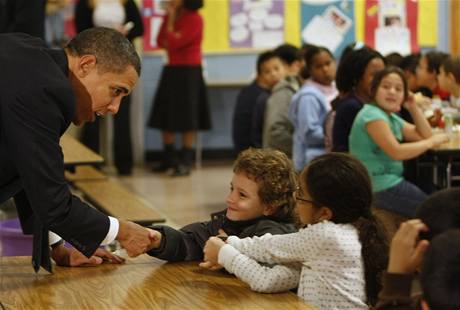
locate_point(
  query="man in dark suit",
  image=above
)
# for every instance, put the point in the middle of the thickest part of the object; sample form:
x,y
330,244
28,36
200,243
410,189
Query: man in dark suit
x,y
41,92
23,16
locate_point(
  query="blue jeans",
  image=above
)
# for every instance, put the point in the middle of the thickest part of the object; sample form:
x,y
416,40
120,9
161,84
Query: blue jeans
x,y
403,198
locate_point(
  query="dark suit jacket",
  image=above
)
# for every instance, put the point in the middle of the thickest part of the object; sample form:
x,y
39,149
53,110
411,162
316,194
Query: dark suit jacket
x,y
37,104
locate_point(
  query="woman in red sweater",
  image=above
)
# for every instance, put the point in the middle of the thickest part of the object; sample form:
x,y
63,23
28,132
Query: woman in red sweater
x,y
180,104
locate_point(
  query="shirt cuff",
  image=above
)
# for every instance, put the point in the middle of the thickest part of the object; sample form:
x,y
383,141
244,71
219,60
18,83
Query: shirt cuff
x,y
53,238
227,254
395,284
113,231
233,241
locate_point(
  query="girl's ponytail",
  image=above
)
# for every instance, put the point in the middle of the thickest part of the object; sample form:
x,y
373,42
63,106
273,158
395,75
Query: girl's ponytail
x,y
374,249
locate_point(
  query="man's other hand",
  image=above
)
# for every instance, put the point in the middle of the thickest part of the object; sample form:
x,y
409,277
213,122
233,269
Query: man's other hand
x,y
70,257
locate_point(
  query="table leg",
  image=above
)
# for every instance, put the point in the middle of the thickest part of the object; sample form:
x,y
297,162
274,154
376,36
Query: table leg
x,y
435,170
449,172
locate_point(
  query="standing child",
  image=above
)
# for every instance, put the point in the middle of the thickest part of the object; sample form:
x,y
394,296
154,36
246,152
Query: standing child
x,y
335,260
310,105
180,105
260,201
382,140
270,70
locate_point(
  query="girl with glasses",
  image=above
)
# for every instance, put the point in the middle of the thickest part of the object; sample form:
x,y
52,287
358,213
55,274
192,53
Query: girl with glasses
x,y
335,260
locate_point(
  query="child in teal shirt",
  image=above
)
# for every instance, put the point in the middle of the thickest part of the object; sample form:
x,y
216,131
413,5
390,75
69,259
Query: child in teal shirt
x,y
382,140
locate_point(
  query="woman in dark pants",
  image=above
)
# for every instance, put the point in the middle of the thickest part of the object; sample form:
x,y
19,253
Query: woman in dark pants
x,y
124,16
180,104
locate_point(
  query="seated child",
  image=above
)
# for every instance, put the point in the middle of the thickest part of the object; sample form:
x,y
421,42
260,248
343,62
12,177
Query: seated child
x,y
335,260
260,201
310,106
270,70
436,230
449,79
354,77
382,140
427,72
437,261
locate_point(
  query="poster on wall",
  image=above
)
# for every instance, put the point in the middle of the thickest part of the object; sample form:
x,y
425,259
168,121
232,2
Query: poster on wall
x,y
391,26
256,23
328,23
153,12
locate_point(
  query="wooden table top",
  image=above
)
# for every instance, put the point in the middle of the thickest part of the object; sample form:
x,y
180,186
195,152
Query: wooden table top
x,y
75,153
140,283
452,146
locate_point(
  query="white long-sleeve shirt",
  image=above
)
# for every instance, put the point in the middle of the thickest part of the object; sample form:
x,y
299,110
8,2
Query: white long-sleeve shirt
x,y
111,234
323,260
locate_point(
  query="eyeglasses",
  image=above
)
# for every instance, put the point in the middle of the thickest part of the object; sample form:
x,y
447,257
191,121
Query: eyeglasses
x,y
298,198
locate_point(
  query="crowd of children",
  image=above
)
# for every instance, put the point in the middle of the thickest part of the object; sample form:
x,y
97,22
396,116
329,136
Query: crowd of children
x,y
378,109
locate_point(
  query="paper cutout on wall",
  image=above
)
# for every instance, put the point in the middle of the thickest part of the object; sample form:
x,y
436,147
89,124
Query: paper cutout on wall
x,y
256,23
391,26
328,23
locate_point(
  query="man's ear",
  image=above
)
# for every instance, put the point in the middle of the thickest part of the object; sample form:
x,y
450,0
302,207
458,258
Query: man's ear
x,y
325,214
85,65
269,210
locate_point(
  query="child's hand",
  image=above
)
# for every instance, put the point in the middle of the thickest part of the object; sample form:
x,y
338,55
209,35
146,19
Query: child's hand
x,y
438,139
155,239
211,251
410,102
406,251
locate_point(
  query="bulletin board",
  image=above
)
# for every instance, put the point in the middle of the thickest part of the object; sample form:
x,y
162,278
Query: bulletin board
x,y
242,25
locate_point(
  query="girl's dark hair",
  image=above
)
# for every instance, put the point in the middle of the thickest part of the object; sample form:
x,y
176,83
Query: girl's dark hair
x,y
379,76
341,183
312,52
352,67
275,176
193,5
394,59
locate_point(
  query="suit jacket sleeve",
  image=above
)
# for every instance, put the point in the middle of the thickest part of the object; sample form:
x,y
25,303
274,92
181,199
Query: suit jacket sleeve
x,y
33,122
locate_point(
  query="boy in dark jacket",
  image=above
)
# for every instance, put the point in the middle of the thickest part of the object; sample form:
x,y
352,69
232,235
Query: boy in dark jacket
x,y
260,201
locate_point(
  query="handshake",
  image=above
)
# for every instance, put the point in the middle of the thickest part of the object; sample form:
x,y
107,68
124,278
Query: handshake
x,y
136,239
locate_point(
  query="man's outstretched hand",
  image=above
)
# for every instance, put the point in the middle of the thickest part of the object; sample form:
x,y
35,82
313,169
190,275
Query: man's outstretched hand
x,y
134,238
